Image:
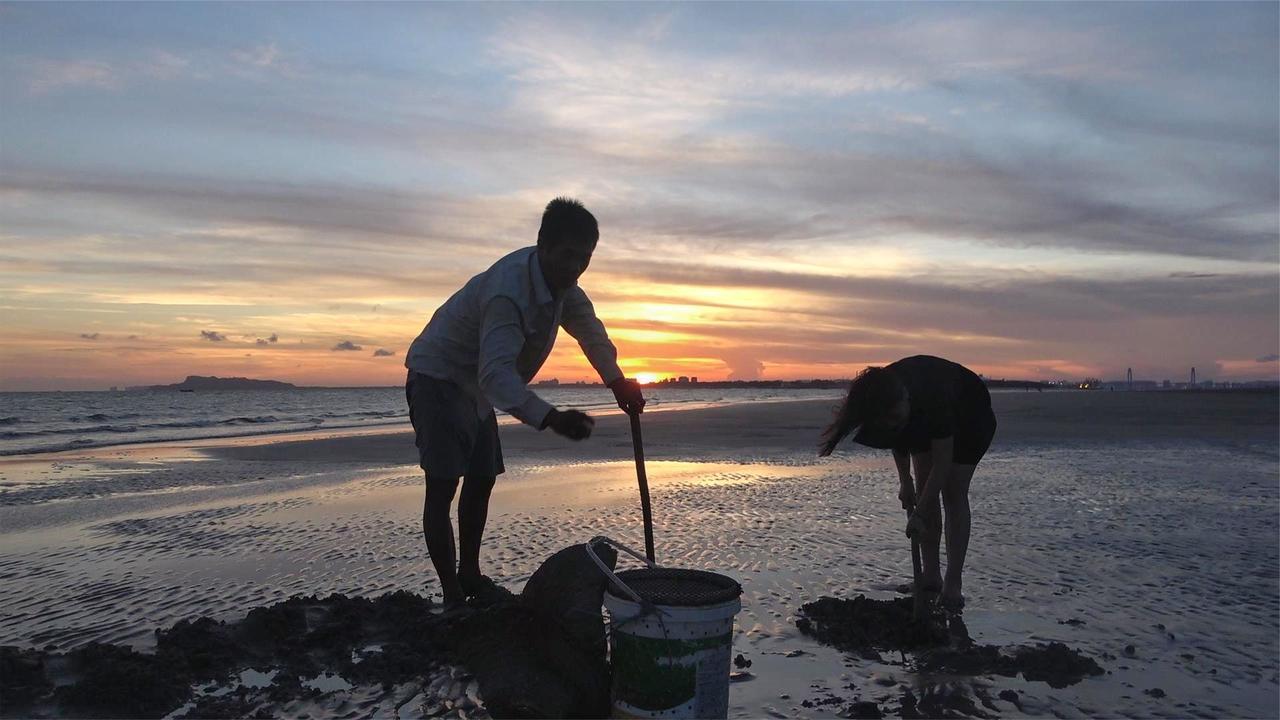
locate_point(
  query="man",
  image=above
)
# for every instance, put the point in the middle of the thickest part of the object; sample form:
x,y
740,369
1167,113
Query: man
x,y
479,351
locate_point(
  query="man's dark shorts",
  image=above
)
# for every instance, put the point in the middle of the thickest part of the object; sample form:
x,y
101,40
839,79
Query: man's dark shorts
x,y
453,441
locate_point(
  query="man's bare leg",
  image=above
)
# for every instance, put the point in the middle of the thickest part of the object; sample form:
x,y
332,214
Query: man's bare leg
x,y
955,497
931,539
473,511
437,529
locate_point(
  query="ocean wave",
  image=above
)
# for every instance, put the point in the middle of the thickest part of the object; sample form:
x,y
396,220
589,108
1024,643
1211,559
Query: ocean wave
x,y
228,431
361,413
9,420
250,420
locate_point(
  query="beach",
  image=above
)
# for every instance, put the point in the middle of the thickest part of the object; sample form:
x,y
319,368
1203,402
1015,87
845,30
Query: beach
x,y
1138,528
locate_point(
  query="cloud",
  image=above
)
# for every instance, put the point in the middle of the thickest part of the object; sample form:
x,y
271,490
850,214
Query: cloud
x,y
49,75
262,56
269,340
743,365
347,345
262,341
212,335
261,61
1273,357
164,65
382,352
89,336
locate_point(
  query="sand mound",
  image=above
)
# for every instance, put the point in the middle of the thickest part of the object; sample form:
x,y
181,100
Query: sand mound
x,y
858,624
861,625
1053,663
537,657
300,638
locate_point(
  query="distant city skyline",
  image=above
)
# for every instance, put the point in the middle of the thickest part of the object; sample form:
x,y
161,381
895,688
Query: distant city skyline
x,y
785,191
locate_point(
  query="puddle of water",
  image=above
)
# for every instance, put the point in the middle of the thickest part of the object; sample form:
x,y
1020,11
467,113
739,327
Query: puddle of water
x,y
328,682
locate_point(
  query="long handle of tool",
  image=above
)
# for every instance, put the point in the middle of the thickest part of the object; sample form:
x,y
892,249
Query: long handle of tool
x,y
637,445
918,609
917,592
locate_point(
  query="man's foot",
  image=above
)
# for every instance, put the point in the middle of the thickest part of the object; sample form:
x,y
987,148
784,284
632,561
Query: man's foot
x,y
452,610
453,593
481,589
926,589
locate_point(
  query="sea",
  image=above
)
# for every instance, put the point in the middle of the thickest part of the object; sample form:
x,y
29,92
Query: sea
x,y
43,422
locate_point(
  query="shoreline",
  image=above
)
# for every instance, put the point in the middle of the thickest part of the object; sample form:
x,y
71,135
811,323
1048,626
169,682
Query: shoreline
x,y
1068,418
291,434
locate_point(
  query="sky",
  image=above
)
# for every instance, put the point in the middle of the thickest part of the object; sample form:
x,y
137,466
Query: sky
x,y
784,191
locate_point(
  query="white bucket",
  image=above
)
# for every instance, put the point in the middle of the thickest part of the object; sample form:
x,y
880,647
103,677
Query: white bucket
x,y
672,663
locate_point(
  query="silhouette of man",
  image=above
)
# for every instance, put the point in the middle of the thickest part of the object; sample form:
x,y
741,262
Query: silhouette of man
x,y
479,351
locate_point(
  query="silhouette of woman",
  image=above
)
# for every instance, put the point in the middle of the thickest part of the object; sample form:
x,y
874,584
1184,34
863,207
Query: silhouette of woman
x,y
936,415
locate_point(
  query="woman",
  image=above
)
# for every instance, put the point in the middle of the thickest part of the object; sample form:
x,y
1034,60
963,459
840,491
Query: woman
x,y
936,414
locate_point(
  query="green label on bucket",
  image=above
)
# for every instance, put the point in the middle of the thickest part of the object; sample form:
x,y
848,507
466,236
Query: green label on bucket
x,y
656,674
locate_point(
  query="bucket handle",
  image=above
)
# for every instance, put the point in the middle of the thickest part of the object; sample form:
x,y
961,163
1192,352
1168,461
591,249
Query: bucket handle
x,y
605,568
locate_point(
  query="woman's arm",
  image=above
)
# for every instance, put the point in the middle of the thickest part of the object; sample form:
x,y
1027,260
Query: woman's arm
x,y
902,459
940,450
906,488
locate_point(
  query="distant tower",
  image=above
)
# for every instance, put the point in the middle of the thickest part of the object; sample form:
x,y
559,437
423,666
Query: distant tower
x,y
1129,378
1193,377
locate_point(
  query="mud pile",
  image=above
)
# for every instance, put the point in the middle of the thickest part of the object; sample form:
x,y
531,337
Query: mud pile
x,y
299,638
864,626
536,656
860,624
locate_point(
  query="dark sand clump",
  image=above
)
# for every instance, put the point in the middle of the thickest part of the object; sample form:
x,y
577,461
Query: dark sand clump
x,y
300,637
1052,663
862,625
537,655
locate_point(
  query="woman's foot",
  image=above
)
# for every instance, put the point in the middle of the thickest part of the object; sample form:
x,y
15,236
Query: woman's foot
x,y
951,600
931,584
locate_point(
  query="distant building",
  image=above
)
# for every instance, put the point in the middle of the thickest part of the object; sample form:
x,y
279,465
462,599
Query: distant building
x,y
547,383
683,380
693,380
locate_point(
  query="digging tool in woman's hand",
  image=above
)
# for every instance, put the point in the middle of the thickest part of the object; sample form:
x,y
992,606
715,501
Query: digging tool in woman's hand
x,y
919,610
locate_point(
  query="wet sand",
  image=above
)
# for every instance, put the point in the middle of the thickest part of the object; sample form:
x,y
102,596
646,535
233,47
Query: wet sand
x,y
1138,529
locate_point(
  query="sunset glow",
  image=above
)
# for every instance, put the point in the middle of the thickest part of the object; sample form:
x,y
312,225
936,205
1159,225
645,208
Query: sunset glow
x,y
1036,191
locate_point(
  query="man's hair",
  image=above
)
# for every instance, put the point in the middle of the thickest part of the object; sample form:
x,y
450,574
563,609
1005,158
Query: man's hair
x,y
566,219
871,394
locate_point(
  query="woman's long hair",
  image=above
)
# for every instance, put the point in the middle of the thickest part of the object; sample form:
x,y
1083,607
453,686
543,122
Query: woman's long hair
x,y
871,394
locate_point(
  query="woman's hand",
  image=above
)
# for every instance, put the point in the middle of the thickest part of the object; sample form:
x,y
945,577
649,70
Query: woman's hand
x,y
915,525
907,492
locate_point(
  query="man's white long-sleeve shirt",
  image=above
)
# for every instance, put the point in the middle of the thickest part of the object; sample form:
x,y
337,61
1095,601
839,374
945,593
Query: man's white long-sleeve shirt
x,y
492,336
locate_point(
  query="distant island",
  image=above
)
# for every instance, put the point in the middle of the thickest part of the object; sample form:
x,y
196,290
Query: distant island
x,y
199,382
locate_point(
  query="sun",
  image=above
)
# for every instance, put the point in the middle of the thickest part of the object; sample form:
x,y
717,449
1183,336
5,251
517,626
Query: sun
x,y
646,378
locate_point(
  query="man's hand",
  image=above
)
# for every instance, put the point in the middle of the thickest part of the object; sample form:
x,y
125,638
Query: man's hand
x,y
572,424
627,393
907,493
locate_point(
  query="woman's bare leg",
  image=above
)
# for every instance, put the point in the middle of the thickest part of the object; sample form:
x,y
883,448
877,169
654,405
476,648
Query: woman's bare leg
x,y
955,498
931,539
